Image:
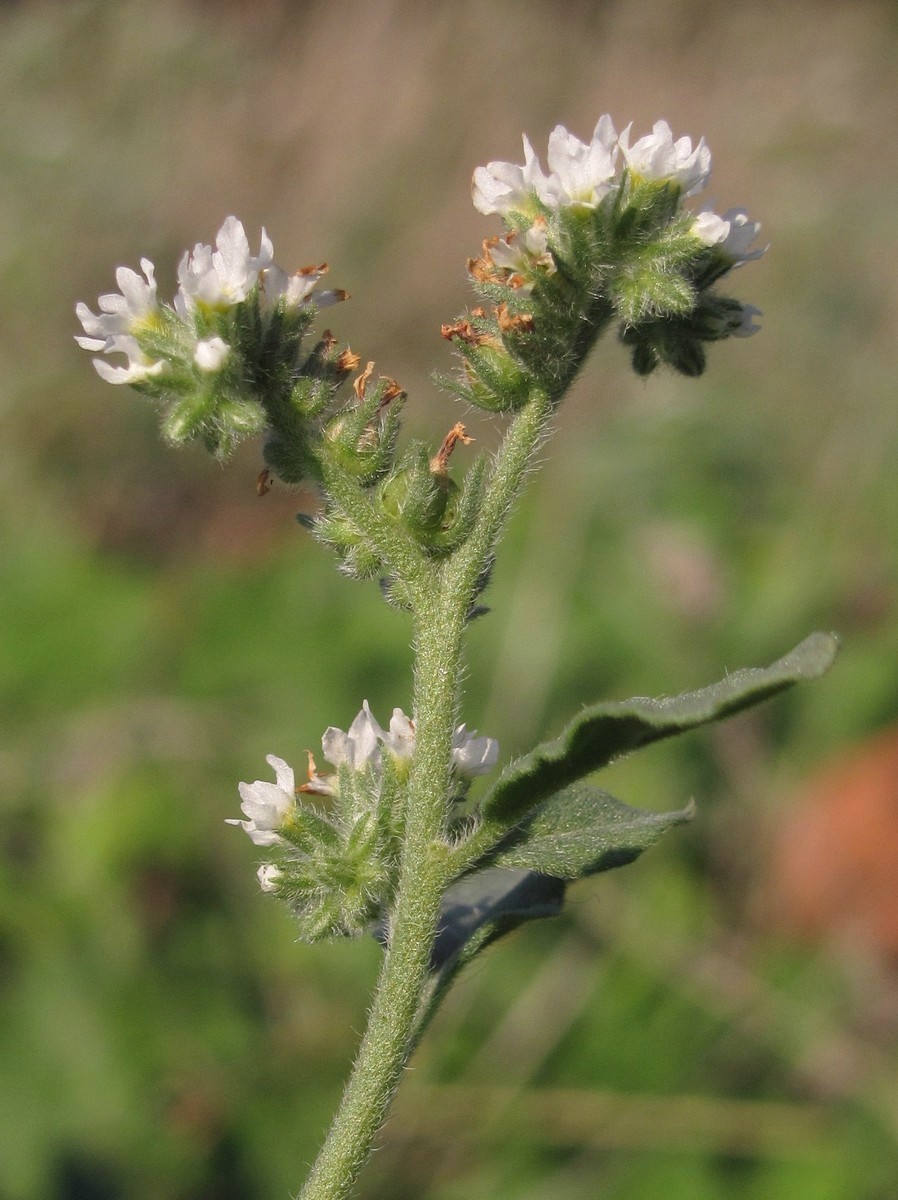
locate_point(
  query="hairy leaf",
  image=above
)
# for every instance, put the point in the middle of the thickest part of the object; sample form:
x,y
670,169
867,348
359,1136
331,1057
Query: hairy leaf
x,y
603,732
581,831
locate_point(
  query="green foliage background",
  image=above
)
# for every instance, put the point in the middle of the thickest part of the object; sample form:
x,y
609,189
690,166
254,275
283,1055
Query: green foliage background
x,y
162,628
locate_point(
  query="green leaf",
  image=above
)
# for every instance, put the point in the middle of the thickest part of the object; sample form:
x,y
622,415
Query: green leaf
x,y
603,732
487,904
582,831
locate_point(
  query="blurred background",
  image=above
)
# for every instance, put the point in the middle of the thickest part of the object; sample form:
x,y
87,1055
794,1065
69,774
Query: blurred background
x,y
721,1019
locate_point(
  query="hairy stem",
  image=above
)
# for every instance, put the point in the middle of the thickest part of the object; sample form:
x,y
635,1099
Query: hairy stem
x,y
439,627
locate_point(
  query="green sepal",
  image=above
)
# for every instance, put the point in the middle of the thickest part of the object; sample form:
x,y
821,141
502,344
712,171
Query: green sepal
x,y
603,732
307,829
397,593
333,528
417,496
185,418
643,208
581,831
653,279
310,396
287,450
361,437
464,507
496,382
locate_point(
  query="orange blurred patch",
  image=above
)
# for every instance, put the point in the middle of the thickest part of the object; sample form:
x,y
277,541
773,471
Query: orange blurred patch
x,y
835,857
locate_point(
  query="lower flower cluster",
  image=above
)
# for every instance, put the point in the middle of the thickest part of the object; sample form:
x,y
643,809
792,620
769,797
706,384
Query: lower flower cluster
x,y
336,865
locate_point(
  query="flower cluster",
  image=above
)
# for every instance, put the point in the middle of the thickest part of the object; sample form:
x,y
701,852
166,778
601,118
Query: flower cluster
x,y
582,174
337,868
236,319
268,806
600,235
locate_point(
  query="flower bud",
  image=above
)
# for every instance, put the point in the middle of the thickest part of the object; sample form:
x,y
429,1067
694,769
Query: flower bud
x,y
419,497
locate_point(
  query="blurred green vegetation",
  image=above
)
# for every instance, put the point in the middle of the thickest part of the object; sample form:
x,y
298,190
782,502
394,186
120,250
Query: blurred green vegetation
x,y
161,1034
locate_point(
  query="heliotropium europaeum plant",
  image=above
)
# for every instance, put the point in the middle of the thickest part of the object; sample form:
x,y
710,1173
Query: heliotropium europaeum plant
x,y
385,839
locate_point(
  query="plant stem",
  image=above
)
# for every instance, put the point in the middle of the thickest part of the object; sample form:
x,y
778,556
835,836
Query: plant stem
x,y
439,627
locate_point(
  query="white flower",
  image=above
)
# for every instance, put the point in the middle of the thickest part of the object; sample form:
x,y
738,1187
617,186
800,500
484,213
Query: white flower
x,y
658,157
473,755
211,354
139,366
267,805
582,174
400,740
522,256
502,187
732,233
359,746
297,289
121,316
268,875
746,326
225,276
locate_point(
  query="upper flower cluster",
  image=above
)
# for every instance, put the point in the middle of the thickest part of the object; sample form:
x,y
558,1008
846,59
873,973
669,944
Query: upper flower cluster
x,y
582,174
157,338
600,235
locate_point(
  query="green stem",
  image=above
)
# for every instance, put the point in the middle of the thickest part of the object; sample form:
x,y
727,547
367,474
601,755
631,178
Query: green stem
x,y
395,1011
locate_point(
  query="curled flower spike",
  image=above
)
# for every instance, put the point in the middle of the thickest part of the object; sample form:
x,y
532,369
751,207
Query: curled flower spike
x,y
658,158
267,805
225,359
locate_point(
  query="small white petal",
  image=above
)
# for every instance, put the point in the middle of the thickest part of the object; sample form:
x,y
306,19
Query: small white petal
x,y
121,315
400,740
267,805
358,747
211,354
747,326
473,755
268,875
502,187
733,233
